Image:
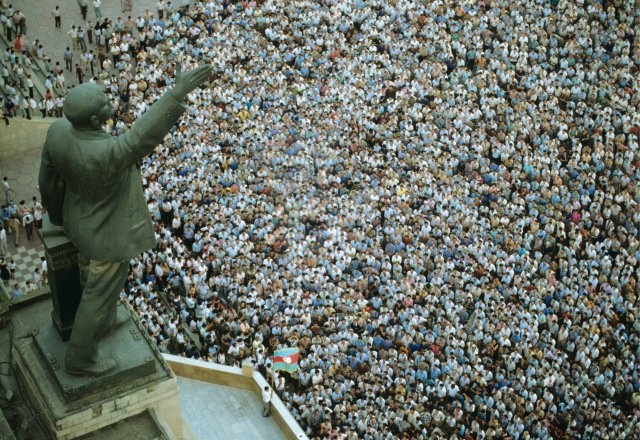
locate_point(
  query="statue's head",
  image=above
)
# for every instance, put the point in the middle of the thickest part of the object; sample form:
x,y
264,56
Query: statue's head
x,y
87,107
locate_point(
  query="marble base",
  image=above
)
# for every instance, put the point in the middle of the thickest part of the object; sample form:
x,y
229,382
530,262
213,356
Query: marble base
x,y
70,407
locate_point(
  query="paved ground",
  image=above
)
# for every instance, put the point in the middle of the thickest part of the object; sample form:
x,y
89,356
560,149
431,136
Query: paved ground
x,y
22,171
40,23
216,411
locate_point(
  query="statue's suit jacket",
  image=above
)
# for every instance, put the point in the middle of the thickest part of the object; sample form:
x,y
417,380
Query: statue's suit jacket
x,y
91,186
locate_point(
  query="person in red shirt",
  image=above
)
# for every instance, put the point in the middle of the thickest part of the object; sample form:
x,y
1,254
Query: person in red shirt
x,y
19,44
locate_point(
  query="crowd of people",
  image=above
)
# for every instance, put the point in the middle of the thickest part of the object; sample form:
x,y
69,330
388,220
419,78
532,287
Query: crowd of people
x,y
436,202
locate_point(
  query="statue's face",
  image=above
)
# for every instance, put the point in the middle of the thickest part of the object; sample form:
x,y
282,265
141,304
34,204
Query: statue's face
x,y
105,111
87,107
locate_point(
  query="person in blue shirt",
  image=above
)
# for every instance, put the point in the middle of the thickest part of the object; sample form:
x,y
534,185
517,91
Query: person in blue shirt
x,y
6,214
12,209
16,292
188,233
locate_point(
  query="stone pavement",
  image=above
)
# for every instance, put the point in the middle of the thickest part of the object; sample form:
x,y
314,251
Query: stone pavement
x,y
228,412
22,171
40,23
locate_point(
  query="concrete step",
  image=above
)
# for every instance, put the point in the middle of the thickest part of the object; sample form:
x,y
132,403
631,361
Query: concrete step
x,y
37,70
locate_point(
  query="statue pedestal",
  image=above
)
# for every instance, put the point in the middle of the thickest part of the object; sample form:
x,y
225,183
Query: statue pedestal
x,y
63,275
143,390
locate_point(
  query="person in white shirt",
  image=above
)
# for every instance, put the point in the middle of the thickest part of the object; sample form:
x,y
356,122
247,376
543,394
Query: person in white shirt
x,y
160,7
96,8
56,16
37,278
30,86
73,34
266,400
27,224
36,209
3,241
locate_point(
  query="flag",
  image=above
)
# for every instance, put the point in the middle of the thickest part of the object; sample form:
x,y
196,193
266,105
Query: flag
x,y
286,359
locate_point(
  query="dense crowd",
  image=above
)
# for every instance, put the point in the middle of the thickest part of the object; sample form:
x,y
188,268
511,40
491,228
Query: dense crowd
x,y
437,202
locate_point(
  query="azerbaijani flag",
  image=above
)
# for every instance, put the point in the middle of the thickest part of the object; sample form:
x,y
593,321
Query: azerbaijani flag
x,y
286,359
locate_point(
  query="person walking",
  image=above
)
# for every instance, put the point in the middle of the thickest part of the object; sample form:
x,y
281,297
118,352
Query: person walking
x,y
97,4
37,278
56,17
90,62
73,34
9,25
25,107
27,224
82,42
84,6
33,106
50,107
9,107
3,242
90,32
36,210
15,105
12,268
16,228
8,192
5,274
16,293
30,85
59,106
68,58
267,392
43,270
42,105
79,73
20,23
160,7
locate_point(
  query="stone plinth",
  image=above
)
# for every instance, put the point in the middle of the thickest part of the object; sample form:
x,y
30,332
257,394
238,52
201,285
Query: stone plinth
x,y
127,345
63,274
69,406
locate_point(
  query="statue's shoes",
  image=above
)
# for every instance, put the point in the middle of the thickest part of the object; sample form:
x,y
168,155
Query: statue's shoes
x,y
94,370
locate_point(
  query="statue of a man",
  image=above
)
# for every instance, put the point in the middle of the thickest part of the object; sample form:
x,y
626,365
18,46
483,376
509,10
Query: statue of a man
x,y
91,187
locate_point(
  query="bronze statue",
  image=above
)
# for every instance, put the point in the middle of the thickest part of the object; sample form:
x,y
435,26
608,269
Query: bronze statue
x,y
91,187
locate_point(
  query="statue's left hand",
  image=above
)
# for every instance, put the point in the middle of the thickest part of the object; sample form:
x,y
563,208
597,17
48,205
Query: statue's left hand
x,y
188,81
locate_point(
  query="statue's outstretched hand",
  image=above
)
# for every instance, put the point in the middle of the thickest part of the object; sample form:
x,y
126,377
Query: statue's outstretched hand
x,y
188,81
